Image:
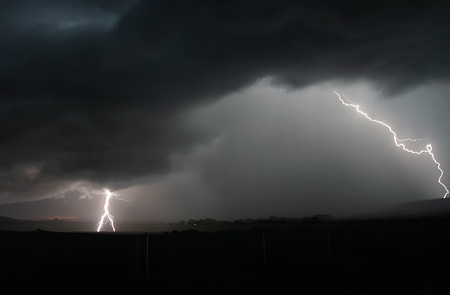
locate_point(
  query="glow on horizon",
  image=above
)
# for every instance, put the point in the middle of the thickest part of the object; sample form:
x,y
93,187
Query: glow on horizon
x,y
399,142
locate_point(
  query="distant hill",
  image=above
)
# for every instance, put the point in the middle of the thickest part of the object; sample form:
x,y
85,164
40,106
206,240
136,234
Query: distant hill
x,y
428,208
11,224
4,219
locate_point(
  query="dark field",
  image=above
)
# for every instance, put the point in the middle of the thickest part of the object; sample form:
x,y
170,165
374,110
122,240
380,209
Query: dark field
x,y
347,257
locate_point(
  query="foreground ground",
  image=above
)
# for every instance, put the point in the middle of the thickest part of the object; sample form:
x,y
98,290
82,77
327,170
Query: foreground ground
x,y
351,257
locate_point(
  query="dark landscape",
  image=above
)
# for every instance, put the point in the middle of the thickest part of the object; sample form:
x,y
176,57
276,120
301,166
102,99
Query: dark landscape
x,y
317,255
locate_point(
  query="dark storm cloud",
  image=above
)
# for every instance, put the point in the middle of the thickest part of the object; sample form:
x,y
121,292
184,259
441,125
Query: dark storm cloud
x,y
93,89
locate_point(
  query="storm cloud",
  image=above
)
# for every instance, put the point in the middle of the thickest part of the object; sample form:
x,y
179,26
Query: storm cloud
x,y
98,91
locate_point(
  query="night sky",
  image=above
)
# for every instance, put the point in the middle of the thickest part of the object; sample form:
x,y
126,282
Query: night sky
x,y
219,109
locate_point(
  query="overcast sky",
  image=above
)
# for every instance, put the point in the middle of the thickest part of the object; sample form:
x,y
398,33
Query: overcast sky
x,y
219,109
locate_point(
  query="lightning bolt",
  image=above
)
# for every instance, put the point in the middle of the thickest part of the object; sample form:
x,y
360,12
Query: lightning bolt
x,y
107,216
400,143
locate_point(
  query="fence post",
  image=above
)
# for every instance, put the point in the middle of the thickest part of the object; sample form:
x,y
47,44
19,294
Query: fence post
x,y
264,247
381,237
146,256
329,242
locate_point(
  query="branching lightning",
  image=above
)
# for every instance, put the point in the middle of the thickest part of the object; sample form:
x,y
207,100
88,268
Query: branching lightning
x,y
399,142
107,216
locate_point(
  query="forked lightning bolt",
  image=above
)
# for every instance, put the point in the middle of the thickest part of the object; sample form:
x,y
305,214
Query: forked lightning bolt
x,y
107,216
399,142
